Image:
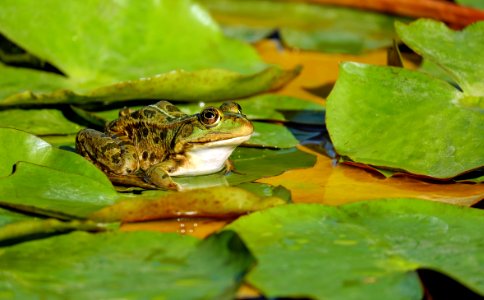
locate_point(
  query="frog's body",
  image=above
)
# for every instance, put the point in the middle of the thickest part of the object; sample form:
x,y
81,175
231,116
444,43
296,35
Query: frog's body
x,y
147,146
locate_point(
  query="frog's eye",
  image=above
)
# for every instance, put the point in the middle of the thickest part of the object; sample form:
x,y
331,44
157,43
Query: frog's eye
x,y
231,107
210,116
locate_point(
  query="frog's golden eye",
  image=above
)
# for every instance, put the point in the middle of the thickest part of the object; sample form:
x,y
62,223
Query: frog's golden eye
x,y
231,107
210,116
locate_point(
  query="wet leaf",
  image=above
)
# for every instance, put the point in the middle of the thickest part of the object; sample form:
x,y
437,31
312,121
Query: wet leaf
x,y
215,202
336,184
38,121
367,250
305,26
108,54
251,164
370,105
127,265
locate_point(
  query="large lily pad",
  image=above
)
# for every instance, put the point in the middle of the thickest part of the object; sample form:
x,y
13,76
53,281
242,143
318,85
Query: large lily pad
x,y
124,265
366,250
113,51
370,106
405,120
305,26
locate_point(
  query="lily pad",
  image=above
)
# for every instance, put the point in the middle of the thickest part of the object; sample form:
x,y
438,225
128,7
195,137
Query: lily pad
x,y
305,26
365,250
38,228
456,52
112,52
131,265
251,164
472,3
404,120
38,121
216,202
46,179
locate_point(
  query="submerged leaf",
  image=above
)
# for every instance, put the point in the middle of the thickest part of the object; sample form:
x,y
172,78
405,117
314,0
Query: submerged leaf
x,y
305,26
125,265
367,250
215,202
404,120
111,51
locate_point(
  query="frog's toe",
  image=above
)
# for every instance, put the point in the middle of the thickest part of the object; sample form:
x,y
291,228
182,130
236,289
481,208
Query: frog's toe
x,y
161,179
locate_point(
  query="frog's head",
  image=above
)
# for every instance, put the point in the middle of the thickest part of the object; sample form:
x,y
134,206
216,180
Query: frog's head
x,y
213,135
221,126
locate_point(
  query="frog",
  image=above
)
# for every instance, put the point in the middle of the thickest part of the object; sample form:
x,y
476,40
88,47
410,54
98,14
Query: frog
x,y
148,147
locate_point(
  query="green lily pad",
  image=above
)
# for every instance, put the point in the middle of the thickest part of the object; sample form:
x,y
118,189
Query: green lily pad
x,y
113,52
38,121
51,192
251,163
404,120
22,146
215,202
272,136
131,265
472,3
8,217
305,26
49,180
365,250
456,52
38,228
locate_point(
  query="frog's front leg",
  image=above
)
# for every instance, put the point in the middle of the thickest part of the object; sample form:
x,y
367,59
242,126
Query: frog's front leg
x,y
112,155
159,176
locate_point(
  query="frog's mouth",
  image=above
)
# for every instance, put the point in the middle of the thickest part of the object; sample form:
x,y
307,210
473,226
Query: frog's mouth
x,y
222,143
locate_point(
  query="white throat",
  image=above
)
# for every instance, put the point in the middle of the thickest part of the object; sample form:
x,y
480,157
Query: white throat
x,y
208,158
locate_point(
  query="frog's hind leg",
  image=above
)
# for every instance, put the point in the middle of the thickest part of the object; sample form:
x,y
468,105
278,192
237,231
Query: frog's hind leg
x,y
112,155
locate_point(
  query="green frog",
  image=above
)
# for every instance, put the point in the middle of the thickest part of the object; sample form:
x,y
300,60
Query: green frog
x,y
147,147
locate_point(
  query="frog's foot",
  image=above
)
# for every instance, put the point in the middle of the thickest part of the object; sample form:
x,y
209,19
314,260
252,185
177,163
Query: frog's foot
x,y
131,180
158,176
230,168
109,154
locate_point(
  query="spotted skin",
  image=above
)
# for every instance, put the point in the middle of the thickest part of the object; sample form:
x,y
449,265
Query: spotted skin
x,y
144,147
